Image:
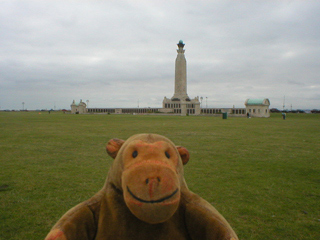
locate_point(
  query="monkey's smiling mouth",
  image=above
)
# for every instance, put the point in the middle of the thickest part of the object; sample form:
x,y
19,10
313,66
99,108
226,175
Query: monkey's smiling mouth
x,y
152,201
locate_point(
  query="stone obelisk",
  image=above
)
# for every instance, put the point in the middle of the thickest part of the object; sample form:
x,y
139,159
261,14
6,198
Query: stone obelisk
x,y
180,84
180,103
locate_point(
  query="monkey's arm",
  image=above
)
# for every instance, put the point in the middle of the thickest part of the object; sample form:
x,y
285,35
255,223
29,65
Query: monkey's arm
x,y
204,222
79,223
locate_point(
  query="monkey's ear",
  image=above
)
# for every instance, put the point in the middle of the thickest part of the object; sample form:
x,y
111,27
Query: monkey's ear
x,y
184,154
113,147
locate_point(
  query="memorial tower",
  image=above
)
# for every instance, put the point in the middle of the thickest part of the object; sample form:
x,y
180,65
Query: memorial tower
x,y
180,103
180,83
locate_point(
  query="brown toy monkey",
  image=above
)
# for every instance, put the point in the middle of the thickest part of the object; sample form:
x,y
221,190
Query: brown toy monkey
x,y
145,197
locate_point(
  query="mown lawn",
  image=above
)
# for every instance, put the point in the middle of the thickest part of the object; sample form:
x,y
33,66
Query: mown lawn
x,y
263,175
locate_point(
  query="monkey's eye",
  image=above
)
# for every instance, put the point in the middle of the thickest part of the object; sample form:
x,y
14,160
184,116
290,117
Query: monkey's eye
x,y
134,154
167,154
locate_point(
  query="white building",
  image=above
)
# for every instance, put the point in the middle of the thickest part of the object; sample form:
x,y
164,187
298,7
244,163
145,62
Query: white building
x,y
180,102
258,107
78,108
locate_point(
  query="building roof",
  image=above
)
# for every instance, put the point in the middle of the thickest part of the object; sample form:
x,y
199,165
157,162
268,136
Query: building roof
x,y
257,101
78,104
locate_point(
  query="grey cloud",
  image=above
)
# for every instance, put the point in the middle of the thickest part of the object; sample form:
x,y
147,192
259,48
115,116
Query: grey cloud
x,y
105,51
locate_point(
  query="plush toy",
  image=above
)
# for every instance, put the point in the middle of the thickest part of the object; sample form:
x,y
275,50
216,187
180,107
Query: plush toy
x,y
145,197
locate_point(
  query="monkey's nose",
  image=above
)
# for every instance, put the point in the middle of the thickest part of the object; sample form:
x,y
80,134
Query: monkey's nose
x,y
153,179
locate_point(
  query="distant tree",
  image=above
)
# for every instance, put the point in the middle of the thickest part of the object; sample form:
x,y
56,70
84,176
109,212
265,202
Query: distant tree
x,y
274,110
315,111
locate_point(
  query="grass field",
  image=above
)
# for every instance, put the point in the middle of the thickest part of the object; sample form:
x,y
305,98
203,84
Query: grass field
x,y
263,175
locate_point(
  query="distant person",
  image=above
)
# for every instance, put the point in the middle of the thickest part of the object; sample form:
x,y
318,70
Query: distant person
x,y
284,116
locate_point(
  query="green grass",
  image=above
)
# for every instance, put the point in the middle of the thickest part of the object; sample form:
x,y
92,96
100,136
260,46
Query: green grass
x,y
263,175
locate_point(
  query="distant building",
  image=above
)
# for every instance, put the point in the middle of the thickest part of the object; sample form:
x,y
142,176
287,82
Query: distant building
x,y
258,107
78,108
180,103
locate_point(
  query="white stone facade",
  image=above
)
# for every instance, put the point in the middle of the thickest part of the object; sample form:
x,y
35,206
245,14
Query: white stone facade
x,y
182,107
180,103
78,108
258,107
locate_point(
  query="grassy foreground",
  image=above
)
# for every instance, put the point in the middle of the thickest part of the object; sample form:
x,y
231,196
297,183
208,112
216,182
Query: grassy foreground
x,y
263,175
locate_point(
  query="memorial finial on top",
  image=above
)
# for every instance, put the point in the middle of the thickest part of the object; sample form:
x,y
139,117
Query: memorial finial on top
x,y
180,44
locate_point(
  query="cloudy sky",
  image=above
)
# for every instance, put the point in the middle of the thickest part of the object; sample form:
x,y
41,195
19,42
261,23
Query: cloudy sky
x,y
118,53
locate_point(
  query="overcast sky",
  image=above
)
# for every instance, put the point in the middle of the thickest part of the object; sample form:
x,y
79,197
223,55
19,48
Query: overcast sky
x,y
122,53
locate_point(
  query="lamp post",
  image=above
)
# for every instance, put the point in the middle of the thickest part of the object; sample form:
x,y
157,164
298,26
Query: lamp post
x,y
206,102
23,106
